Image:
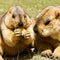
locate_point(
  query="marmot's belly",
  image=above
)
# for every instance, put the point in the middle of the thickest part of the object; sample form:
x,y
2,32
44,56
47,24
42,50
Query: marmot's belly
x,y
14,50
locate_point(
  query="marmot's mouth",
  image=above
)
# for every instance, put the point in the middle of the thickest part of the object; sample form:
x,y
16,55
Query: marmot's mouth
x,y
46,33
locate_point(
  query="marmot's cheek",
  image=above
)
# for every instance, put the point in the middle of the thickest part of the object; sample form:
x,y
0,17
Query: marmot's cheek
x,y
26,26
46,32
26,22
40,28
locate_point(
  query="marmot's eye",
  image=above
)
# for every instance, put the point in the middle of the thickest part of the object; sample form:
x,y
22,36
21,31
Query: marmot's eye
x,y
13,16
57,16
46,23
24,16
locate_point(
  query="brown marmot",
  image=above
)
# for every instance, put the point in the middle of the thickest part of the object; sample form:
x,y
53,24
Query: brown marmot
x,y
48,32
16,31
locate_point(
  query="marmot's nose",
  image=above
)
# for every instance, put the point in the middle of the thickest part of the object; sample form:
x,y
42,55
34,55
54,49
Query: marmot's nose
x,y
20,24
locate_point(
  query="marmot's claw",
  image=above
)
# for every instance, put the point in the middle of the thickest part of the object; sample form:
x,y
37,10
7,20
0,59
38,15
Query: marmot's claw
x,y
55,56
27,35
47,53
17,32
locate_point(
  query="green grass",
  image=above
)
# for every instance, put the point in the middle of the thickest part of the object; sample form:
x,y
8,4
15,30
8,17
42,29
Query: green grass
x,y
32,8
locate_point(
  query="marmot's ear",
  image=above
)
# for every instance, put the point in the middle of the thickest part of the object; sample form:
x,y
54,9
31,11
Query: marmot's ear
x,y
10,10
42,13
3,16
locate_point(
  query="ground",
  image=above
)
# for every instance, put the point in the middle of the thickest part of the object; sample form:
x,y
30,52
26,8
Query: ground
x,y
32,8
27,56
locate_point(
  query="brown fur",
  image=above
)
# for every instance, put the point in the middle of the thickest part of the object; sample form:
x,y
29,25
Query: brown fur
x,y
16,31
48,28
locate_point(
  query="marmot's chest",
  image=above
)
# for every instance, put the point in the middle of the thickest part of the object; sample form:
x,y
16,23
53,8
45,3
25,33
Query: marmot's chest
x,y
49,40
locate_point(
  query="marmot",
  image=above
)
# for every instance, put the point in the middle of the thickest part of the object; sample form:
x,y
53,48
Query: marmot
x,y
16,33
48,32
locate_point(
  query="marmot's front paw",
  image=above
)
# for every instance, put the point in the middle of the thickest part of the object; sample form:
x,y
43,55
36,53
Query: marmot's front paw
x,y
17,32
26,35
47,53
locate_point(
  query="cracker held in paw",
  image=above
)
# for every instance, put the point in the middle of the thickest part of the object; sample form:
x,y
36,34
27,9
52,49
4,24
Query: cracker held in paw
x,y
48,28
16,33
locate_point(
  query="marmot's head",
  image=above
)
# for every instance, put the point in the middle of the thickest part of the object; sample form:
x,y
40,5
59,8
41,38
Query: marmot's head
x,y
16,17
48,22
